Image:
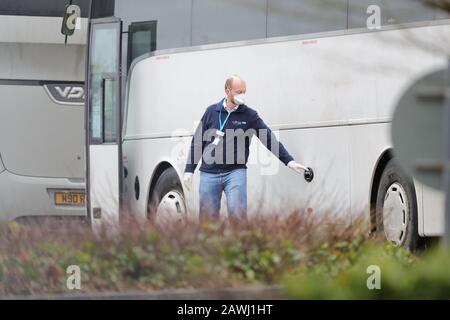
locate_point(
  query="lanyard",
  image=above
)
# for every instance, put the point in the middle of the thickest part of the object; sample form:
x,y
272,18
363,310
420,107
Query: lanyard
x,y
222,125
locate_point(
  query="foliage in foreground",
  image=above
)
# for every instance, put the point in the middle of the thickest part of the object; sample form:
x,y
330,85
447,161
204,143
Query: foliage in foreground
x,y
311,258
34,260
402,276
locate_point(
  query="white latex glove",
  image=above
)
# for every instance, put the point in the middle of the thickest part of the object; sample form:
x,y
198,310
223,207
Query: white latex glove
x,y
187,179
297,167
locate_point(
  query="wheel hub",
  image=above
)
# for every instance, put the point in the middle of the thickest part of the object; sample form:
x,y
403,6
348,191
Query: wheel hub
x,y
171,208
395,213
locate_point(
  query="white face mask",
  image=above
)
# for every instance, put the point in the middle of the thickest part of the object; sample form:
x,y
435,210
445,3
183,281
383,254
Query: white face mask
x,y
239,98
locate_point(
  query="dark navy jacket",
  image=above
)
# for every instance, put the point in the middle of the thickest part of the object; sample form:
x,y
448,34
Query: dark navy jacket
x,y
233,150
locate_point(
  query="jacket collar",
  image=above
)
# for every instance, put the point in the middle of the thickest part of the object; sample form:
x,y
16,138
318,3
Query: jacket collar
x,y
219,107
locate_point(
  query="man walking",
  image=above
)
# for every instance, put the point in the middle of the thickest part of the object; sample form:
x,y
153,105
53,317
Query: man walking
x,y
222,140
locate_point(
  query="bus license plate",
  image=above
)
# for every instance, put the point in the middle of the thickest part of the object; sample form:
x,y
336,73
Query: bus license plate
x,y
69,198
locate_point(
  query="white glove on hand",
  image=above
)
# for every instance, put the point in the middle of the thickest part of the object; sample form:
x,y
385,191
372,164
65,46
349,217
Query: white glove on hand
x,y
297,167
187,179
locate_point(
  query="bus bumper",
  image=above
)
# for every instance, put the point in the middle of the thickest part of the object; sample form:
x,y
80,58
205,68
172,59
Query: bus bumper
x,y
23,197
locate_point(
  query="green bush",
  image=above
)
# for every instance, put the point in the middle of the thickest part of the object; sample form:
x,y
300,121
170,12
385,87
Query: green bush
x,y
313,259
403,276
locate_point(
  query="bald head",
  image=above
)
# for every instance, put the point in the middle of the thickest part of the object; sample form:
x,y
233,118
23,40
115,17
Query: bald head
x,y
234,81
235,89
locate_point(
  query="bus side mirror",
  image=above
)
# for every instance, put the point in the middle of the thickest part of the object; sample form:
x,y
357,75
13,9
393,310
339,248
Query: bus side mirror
x,y
72,13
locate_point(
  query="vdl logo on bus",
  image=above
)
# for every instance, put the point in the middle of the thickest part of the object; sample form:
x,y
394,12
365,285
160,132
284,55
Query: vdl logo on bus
x,y
68,94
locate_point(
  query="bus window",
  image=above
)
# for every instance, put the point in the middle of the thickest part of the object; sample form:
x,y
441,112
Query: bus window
x,y
102,8
43,8
291,17
110,113
174,19
141,39
216,21
102,64
441,13
392,12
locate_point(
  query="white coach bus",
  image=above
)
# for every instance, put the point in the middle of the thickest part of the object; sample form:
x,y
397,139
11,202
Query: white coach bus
x,y
42,135
329,95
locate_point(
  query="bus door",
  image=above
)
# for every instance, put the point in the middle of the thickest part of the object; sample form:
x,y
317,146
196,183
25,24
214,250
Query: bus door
x,y
103,122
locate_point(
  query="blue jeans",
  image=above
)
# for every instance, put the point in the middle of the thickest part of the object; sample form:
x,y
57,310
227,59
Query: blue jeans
x,y
234,184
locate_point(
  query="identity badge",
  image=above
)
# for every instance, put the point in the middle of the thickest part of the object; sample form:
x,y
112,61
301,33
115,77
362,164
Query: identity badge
x,y
219,136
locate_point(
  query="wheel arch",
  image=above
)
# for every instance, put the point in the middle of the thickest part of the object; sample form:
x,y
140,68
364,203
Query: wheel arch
x,y
160,168
380,165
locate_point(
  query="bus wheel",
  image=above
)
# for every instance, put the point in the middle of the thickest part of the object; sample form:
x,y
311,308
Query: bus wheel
x,y
167,203
396,214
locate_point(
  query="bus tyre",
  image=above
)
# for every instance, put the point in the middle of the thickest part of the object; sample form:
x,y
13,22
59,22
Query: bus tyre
x,y
167,203
396,213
